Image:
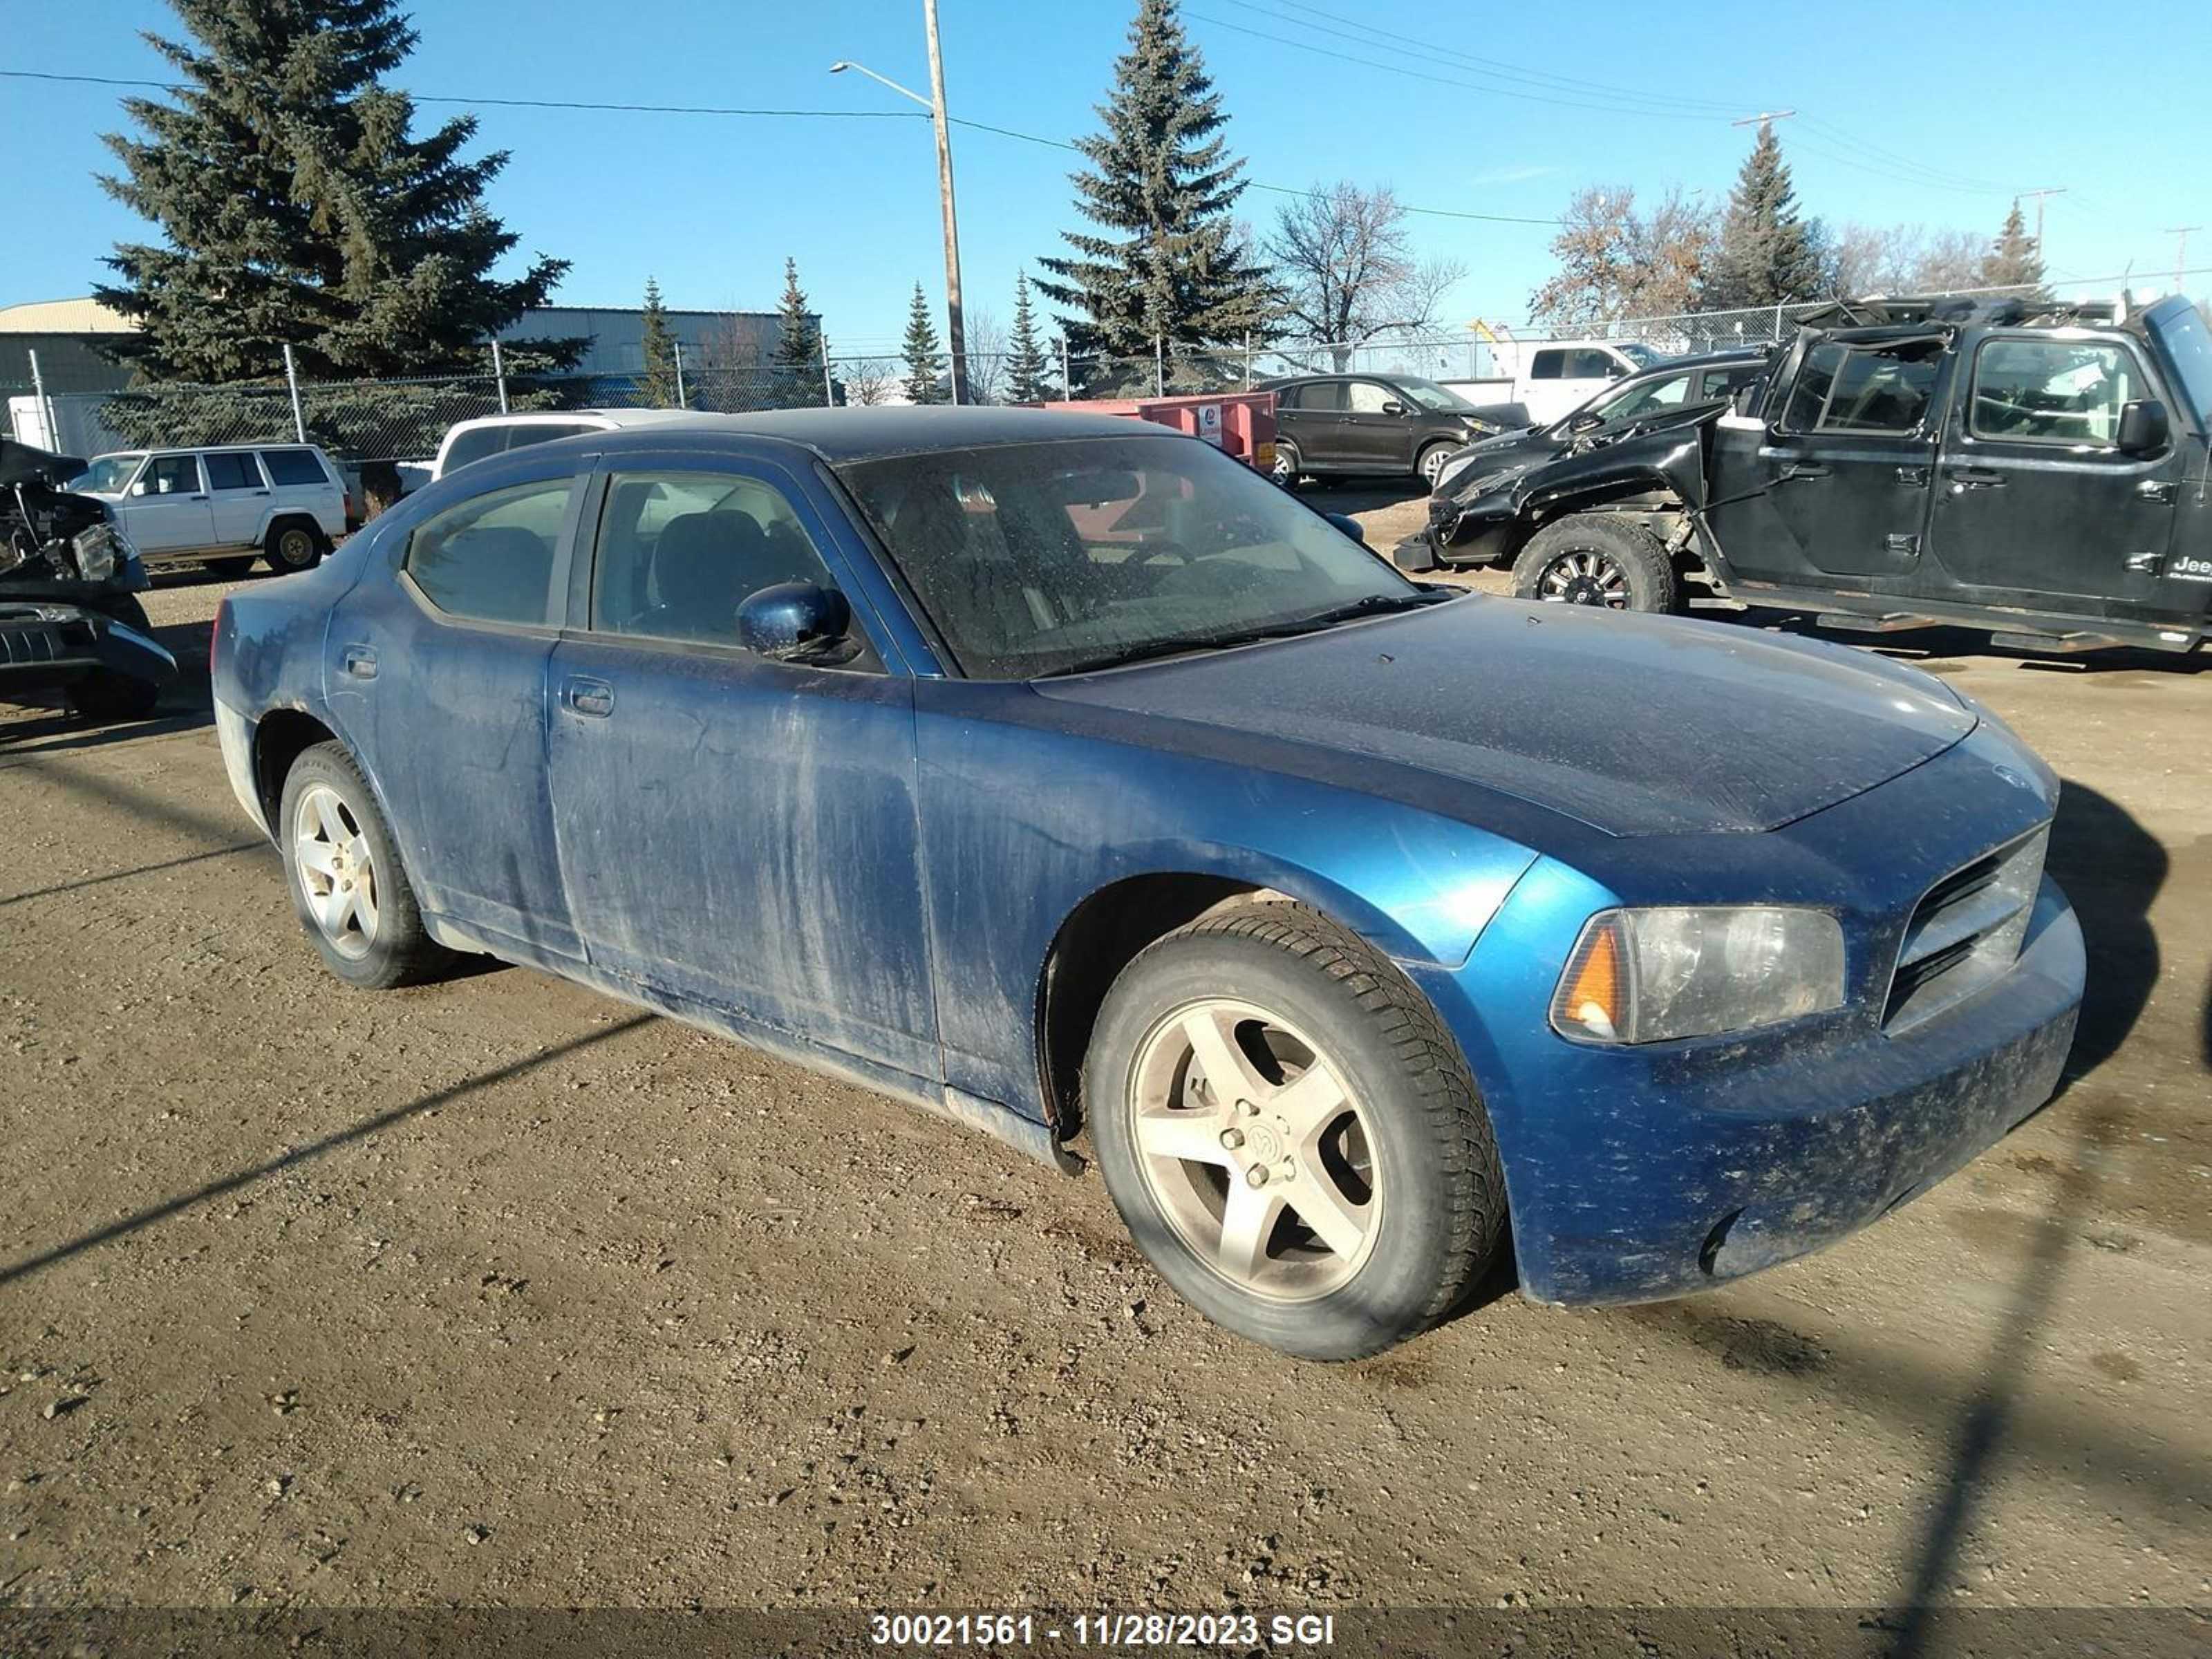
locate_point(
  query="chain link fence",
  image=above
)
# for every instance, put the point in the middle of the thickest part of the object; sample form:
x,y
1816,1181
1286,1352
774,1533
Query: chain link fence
x,y
404,420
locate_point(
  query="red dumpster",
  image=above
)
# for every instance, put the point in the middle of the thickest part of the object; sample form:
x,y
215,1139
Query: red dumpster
x,y
1242,423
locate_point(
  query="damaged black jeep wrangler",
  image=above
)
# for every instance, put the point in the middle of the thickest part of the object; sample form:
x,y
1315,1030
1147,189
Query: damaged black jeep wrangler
x,y
70,615
2035,469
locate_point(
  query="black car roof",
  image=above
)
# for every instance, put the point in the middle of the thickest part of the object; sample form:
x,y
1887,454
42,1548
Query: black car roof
x,y
854,434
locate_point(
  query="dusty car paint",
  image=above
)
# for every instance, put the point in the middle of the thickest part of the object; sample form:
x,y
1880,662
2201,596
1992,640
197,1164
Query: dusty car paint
x,y
877,874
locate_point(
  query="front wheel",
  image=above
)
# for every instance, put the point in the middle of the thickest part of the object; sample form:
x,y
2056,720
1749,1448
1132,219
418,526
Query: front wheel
x,y
1433,462
1290,1135
1596,559
342,867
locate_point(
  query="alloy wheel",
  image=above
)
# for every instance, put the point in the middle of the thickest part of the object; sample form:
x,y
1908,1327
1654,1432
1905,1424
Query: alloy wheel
x,y
1258,1154
1585,578
337,871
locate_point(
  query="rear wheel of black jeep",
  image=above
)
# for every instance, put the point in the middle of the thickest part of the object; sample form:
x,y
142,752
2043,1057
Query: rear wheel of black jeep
x,y
1597,559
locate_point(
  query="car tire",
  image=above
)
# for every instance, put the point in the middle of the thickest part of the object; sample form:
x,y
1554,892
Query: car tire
x,y
232,570
1431,462
1286,471
1597,559
1392,1149
377,945
106,697
294,545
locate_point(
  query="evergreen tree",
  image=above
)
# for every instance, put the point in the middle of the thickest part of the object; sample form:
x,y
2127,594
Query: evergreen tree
x,y
924,358
1163,186
796,362
296,210
2016,258
1029,376
1767,253
660,386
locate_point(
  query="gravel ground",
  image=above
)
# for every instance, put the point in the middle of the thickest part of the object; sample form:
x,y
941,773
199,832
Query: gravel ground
x,y
496,1293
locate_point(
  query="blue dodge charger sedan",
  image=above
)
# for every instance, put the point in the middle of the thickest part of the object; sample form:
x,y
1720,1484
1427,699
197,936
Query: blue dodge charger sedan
x,y
1063,776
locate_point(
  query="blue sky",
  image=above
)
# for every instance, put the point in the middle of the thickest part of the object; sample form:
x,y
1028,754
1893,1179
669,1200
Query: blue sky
x,y
711,205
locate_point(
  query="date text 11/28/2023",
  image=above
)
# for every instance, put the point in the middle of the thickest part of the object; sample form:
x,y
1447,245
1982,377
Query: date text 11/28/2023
x,y
1101,1630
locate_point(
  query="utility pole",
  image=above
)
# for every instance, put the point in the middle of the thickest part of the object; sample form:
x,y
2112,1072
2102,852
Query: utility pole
x,y
1765,117
956,331
2180,233
2056,189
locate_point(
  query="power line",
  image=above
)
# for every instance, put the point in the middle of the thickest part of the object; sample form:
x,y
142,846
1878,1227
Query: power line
x,y
715,110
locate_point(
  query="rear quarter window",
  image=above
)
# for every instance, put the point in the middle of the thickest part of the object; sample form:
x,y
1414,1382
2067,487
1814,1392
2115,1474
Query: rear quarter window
x,y
294,466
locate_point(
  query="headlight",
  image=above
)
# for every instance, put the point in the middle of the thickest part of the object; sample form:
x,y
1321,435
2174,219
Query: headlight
x,y
1653,975
97,552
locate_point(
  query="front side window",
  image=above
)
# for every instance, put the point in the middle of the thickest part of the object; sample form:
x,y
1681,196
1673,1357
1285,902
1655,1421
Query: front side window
x,y
491,559
678,552
2053,391
1045,558
170,475
232,470
1591,363
294,466
1850,388
1666,392
1367,398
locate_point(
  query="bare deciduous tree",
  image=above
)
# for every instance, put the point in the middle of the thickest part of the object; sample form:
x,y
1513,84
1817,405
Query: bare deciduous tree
x,y
1348,270
986,356
1615,262
869,382
1905,259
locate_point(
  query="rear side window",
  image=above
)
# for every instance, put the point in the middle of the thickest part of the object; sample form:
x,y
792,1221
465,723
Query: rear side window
x,y
1323,397
1548,366
678,552
475,445
232,471
1843,388
294,466
491,559
2053,391
543,432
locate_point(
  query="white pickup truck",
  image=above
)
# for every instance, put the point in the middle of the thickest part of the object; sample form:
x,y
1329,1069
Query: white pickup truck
x,y
1550,376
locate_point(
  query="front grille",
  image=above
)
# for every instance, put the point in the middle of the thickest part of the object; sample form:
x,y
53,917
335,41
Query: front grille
x,y
1965,932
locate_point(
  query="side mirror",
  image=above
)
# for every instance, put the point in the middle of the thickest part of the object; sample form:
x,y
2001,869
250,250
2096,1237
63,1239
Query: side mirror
x,y
1348,524
1586,422
1392,406
140,488
2144,428
794,622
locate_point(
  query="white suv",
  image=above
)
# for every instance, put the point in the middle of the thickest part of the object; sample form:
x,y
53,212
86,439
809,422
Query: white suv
x,y
494,434
222,506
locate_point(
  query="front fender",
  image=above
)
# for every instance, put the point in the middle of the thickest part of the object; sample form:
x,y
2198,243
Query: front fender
x,y
1006,867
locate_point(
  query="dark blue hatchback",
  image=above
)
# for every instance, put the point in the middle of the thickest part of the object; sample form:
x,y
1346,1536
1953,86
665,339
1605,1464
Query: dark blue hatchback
x,y
1062,775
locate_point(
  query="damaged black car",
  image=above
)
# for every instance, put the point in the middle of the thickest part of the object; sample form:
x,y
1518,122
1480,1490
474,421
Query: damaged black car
x,y
70,615
2028,467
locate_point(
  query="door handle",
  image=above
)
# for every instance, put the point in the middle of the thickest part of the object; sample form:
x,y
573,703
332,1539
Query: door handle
x,y
593,698
1964,478
359,662
1913,476
1804,470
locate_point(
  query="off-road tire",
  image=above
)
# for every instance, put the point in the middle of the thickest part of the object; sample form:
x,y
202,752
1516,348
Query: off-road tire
x,y
402,953
1440,1191
294,545
1648,575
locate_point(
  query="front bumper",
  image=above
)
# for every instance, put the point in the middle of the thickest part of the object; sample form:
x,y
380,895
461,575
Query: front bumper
x,y
44,642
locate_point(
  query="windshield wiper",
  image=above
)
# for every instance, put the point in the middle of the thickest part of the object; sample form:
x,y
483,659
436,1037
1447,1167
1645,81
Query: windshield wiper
x,y
1151,650
1374,604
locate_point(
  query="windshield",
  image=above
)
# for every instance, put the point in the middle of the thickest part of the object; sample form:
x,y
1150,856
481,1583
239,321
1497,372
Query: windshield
x,y
1639,353
1043,558
107,475
1428,395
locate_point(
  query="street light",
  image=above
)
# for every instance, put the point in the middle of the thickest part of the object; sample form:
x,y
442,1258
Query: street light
x,y
956,332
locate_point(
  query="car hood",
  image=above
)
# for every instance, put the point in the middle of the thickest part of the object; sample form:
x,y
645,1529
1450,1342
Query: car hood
x,y
1636,726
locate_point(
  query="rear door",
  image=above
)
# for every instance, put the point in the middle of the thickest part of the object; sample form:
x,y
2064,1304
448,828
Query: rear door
x,y
1834,483
2035,503
238,496
1311,417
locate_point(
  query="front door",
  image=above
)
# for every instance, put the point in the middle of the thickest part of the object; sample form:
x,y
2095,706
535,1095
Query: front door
x,y
238,496
2034,501
438,673
736,833
1835,483
165,509
1378,428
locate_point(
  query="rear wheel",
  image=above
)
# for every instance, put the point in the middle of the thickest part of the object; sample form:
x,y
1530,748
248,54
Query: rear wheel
x,y
1290,1135
1597,559
293,545
1287,462
342,867
106,696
